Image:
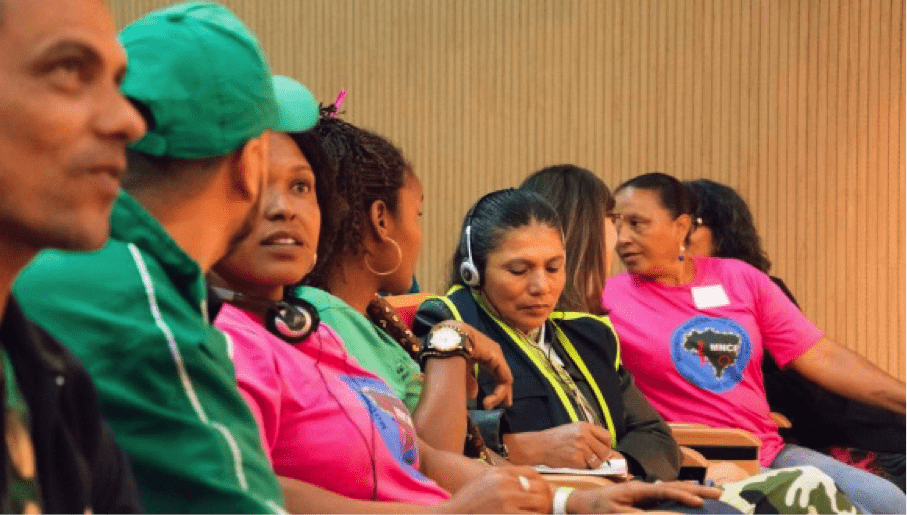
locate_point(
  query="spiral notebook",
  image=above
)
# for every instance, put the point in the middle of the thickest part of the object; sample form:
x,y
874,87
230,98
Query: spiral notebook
x,y
614,467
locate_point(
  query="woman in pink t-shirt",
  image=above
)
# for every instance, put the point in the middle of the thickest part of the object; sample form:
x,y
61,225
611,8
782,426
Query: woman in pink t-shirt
x,y
338,437
693,332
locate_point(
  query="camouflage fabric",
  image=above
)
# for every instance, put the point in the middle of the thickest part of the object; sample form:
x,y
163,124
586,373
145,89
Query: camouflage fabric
x,y
803,489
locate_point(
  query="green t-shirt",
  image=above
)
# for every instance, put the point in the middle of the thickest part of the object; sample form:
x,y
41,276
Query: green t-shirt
x,y
135,315
373,348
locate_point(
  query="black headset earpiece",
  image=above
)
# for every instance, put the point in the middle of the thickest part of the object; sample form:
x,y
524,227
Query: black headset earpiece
x,y
291,319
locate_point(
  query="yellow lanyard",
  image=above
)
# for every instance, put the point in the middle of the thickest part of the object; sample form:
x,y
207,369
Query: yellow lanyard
x,y
554,382
571,351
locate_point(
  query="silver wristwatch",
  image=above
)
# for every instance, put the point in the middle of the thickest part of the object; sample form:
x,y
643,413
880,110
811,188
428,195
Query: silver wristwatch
x,y
444,342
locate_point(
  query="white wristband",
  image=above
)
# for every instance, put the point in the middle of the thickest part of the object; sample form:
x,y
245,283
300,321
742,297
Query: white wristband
x,y
559,503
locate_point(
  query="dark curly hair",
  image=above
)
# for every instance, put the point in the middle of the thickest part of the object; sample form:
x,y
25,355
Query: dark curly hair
x,y
369,168
582,201
727,215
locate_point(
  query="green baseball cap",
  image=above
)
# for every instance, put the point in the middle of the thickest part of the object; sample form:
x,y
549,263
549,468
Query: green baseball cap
x,y
296,105
202,80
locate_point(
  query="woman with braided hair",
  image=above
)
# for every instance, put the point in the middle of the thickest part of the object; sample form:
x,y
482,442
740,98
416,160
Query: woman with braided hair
x,y
374,249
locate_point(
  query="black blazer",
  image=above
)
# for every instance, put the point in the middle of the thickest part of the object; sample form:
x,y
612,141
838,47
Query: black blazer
x,y
642,435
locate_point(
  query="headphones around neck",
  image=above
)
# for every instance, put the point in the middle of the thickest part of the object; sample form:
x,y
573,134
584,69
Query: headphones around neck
x,y
291,319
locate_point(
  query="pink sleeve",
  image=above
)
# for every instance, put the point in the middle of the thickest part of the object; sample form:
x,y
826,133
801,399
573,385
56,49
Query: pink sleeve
x,y
786,332
257,377
253,401
613,287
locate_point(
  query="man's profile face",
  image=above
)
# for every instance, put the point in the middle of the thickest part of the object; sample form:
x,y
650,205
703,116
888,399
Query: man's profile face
x,y
64,124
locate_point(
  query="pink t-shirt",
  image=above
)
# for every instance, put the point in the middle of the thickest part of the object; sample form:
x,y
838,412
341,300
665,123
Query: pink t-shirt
x,y
695,350
324,419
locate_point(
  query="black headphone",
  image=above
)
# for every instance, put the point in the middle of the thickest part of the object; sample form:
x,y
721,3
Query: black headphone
x,y
469,272
291,319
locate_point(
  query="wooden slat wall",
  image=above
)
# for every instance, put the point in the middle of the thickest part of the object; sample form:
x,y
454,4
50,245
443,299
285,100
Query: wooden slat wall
x,y
798,104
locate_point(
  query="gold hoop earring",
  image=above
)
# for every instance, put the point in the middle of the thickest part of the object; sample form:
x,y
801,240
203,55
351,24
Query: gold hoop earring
x,y
392,270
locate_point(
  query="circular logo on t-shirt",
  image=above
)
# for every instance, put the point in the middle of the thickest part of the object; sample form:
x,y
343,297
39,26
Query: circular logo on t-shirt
x,y
711,353
390,417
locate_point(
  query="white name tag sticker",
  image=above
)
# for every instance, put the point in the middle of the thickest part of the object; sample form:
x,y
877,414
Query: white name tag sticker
x,y
705,297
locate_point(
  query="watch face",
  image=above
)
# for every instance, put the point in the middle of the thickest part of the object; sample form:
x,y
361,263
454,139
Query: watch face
x,y
446,339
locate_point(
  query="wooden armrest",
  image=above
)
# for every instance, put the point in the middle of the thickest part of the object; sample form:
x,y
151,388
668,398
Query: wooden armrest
x,y
686,424
781,421
693,458
718,444
578,482
406,300
697,436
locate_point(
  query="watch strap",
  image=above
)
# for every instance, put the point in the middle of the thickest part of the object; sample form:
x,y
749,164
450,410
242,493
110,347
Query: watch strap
x,y
428,353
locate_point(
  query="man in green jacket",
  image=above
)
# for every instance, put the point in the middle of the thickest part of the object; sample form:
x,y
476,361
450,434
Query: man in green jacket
x,y
135,312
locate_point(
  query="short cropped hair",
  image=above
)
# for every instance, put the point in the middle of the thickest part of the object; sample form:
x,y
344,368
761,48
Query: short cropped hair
x,y
168,175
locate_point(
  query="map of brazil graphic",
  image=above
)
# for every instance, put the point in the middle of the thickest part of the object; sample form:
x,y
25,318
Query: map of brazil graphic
x,y
391,419
711,352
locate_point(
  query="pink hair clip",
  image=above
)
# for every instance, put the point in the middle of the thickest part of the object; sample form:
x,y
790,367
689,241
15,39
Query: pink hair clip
x,y
338,102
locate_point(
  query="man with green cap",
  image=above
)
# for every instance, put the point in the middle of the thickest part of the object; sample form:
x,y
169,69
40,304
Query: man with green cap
x,y
135,312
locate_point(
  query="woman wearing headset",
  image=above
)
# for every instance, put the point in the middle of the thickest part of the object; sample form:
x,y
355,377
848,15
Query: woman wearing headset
x,y
574,403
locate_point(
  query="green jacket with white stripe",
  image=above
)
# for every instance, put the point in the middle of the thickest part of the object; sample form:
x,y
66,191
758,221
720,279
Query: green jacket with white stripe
x,y
135,314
